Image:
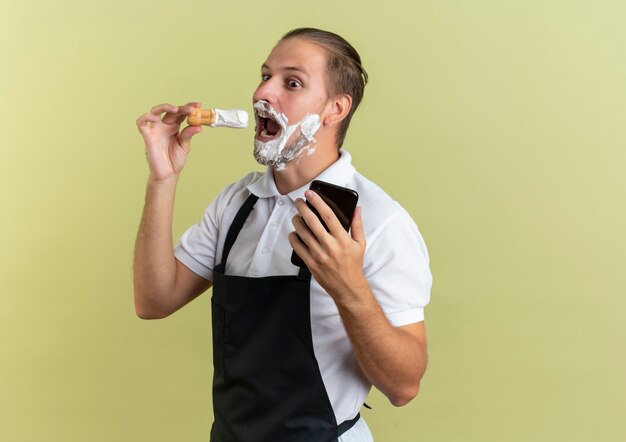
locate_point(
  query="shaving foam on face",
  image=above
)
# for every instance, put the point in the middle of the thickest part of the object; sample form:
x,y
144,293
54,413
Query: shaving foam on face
x,y
234,118
275,152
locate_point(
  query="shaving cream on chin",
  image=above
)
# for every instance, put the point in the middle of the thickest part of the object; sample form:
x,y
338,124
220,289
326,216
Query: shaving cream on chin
x,y
276,152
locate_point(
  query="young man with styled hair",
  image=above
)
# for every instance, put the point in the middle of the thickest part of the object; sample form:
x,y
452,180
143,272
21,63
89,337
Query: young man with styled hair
x,y
295,350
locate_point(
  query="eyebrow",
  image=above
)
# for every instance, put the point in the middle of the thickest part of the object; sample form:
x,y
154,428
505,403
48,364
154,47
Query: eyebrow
x,y
288,68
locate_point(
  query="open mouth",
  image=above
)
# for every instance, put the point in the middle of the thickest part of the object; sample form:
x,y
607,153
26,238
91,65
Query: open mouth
x,y
267,127
269,124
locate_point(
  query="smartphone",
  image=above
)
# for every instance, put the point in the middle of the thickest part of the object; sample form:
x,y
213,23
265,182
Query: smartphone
x,y
341,200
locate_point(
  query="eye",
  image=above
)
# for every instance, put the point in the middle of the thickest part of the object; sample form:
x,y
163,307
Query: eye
x,y
265,77
294,84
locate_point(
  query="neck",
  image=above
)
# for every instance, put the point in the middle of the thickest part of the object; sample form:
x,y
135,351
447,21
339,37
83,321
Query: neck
x,y
304,169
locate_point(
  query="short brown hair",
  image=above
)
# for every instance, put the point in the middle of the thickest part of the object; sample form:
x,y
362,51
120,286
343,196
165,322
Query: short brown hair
x,y
345,72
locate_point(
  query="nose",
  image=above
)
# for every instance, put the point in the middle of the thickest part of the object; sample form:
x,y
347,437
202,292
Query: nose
x,y
267,91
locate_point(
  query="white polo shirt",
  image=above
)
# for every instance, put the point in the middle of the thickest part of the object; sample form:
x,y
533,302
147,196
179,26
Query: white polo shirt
x,y
395,264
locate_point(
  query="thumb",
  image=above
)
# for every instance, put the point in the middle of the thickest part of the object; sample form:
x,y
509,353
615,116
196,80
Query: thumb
x,y
185,136
356,228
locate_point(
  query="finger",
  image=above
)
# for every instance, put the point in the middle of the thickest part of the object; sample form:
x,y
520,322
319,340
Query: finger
x,y
144,123
170,110
185,136
145,118
356,227
306,235
311,220
187,108
165,107
328,216
300,248
182,112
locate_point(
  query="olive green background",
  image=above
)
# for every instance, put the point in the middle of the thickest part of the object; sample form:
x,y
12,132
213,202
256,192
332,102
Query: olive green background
x,y
499,125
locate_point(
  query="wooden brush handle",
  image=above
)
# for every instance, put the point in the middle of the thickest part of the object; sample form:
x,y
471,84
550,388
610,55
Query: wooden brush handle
x,y
204,117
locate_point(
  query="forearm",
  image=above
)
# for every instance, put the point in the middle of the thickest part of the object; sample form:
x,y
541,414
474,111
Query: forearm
x,y
154,262
391,358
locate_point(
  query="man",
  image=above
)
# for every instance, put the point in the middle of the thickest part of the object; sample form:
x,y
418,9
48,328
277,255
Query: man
x,y
295,350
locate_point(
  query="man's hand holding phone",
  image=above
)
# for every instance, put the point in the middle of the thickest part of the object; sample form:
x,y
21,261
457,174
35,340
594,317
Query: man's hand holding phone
x,y
334,257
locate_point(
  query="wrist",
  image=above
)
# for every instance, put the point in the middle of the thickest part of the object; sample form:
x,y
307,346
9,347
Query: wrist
x,y
169,181
357,295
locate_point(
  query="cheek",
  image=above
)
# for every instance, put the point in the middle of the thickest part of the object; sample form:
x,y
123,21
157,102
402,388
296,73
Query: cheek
x,y
293,115
296,114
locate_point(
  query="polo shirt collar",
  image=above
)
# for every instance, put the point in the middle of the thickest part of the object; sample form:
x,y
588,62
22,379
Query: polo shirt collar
x,y
338,173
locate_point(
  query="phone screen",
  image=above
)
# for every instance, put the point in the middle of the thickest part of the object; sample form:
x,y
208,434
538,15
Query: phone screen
x,y
341,200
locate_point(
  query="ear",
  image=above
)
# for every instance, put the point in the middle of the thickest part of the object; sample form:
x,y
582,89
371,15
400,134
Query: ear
x,y
338,110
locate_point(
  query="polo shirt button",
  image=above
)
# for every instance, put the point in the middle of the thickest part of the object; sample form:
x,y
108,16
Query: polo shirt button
x,y
265,250
281,202
273,224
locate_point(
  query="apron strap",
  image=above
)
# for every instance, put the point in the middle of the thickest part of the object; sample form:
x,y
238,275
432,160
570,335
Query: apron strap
x,y
237,224
345,426
235,228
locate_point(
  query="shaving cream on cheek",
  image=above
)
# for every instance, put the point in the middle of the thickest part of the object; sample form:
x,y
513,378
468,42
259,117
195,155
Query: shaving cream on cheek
x,y
276,152
308,127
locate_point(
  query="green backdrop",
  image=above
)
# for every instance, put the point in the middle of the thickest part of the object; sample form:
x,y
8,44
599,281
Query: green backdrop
x,y
499,125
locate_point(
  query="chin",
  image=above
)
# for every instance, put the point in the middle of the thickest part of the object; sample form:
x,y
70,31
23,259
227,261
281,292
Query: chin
x,y
267,154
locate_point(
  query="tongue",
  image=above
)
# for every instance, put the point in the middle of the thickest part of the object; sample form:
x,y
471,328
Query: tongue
x,y
272,127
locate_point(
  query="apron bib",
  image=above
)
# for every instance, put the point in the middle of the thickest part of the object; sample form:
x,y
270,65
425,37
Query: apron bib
x,y
267,386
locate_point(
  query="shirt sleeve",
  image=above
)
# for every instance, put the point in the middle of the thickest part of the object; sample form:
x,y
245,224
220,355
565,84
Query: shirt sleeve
x,y
397,269
199,245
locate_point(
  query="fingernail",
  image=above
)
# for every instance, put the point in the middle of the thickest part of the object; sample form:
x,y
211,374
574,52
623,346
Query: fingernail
x,y
309,194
